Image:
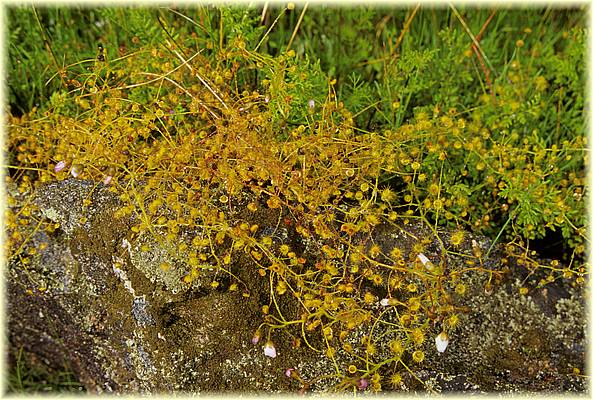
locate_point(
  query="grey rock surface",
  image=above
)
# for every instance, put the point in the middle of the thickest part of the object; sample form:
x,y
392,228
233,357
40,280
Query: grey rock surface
x,y
93,301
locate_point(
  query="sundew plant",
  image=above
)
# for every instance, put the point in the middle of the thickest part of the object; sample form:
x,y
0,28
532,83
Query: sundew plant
x,y
334,126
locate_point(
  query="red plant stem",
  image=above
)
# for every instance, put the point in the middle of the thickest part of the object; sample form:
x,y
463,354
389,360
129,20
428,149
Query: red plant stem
x,y
475,49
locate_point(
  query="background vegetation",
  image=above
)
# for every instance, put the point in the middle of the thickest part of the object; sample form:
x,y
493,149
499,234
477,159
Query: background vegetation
x,y
477,115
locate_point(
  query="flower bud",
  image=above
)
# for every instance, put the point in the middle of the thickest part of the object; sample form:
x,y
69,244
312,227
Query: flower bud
x,y
362,384
389,301
256,337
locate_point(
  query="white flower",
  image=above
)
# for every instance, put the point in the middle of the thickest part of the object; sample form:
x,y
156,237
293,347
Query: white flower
x,y
76,170
441,341
269,349
385,302
425,261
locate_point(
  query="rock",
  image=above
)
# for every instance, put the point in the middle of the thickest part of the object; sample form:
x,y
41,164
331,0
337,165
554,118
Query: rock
x,y
97,300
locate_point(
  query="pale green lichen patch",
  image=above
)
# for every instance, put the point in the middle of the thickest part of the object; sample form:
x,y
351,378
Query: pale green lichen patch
x,y
514,336
163,263
68,209
155,260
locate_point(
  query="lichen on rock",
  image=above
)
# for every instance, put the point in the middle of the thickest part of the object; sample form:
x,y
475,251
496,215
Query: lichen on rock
x,y
124,327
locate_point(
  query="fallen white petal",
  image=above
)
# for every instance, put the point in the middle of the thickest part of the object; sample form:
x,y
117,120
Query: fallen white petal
x,y
442,340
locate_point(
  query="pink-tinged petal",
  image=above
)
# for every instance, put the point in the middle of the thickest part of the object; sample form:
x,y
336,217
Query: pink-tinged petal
x,y
60,166
362,384
289,372
107,180
256,337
